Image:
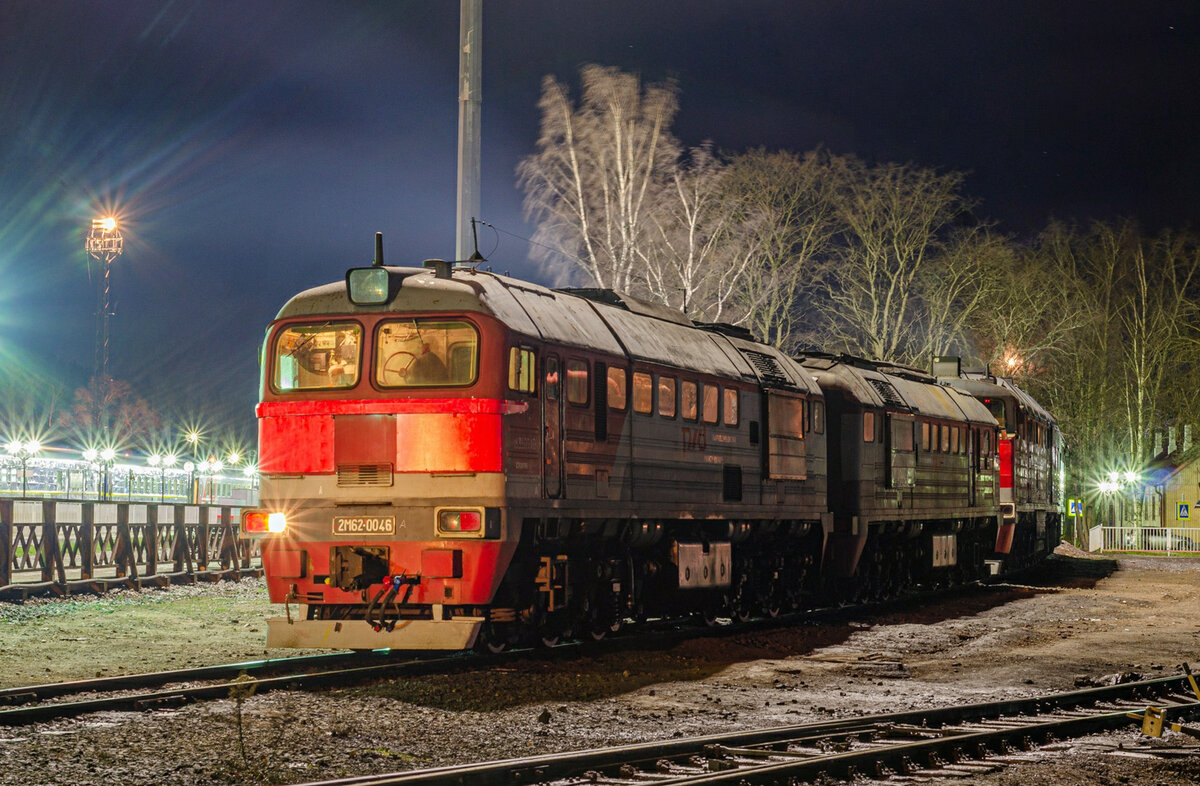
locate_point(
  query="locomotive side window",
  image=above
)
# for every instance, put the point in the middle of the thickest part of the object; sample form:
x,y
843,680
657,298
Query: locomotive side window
x,y
711,404
643,393
902,434
945,439
731,406
954,440
616,389
312,357
522,368
666,396
689,407
818,417
577,381
868,427
425,352
925,436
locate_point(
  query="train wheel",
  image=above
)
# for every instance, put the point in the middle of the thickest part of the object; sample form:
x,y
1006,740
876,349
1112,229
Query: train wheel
x,y
600,629
494,638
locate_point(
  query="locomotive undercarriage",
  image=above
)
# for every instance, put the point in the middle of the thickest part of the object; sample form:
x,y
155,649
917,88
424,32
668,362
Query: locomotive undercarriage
x,y
901,557
587,578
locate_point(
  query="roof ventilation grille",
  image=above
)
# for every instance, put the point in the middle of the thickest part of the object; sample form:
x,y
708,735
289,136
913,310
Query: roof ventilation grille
x,y
888,393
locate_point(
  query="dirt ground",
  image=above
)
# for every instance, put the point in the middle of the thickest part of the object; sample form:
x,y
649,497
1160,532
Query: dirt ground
x,y
1071,623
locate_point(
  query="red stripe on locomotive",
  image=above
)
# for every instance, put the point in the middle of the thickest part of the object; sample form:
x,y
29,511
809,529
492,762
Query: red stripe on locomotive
x,y
414,435
1006,463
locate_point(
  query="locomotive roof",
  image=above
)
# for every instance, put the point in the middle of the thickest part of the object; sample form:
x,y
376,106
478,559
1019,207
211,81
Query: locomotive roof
x,y
875,385
596,320
977,383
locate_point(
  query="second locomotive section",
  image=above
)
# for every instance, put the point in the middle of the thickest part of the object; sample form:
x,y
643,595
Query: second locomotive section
x,y
466,455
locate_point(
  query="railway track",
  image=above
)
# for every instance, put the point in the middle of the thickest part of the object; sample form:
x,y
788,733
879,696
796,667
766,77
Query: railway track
x,y
138,692
955,740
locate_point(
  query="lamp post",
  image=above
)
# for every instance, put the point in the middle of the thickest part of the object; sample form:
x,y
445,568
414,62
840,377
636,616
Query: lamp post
x,y
107,457
104,244
23,451
190,468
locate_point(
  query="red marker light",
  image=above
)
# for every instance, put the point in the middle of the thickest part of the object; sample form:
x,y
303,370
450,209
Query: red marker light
x,y
456,521
255,521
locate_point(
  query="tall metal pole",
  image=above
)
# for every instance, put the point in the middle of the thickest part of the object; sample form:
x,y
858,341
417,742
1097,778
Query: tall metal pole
x,y
104,243
470,99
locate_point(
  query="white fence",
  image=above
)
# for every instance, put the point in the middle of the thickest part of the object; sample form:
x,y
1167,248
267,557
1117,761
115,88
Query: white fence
x,y
1157,540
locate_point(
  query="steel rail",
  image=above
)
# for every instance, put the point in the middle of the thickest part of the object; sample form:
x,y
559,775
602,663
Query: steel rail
x,y
944,735
651,635
50,690
654,634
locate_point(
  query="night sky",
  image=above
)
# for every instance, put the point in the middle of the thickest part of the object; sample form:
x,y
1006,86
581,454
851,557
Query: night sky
x,y
253,148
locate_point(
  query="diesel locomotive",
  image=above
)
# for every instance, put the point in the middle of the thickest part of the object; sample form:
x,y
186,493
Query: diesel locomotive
x,y
454,458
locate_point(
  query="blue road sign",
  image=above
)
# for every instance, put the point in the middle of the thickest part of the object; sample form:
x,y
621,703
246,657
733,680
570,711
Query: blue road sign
x,y
1183,510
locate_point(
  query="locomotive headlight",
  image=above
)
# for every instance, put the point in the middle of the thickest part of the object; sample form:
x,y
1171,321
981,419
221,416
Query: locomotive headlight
x,y
276,522
460,523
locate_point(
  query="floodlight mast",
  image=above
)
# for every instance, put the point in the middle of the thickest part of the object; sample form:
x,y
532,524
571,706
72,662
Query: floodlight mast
x,y
470,101
104,244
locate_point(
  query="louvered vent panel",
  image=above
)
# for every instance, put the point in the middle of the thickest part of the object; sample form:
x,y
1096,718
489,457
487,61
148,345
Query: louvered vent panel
x,y
364,474
887,391
767,367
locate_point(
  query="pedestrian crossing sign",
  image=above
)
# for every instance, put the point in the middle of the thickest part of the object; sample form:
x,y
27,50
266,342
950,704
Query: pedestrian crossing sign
x,y
1183,510
1075,507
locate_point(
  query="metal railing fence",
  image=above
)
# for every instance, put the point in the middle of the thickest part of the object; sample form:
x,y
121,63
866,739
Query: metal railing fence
x,y
57,547
1154,540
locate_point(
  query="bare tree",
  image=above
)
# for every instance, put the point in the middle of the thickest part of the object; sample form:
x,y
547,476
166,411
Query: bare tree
x,y
1158,321
700,246
893,219
785,204
955,286
109,407
1035,304
598,169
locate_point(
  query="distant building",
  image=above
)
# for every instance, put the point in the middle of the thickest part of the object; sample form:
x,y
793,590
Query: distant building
x,y
1172,481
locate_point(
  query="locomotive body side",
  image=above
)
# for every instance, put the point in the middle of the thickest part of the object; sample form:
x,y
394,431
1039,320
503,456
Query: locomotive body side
x,y
911,482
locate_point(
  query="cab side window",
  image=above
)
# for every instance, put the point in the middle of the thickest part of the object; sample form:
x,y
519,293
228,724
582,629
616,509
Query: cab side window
x,y
577,381
522,370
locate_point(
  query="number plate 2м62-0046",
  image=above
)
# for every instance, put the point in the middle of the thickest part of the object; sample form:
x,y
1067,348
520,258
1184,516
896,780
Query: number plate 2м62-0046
x,y
364,525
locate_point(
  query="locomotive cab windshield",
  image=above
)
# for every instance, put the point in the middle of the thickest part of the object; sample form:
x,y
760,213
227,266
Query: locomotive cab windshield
x,y
406,353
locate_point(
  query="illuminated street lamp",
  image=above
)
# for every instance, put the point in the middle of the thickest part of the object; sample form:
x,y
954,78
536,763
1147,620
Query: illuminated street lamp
x,y
161,463
104,244
108,456
23,451
190,468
